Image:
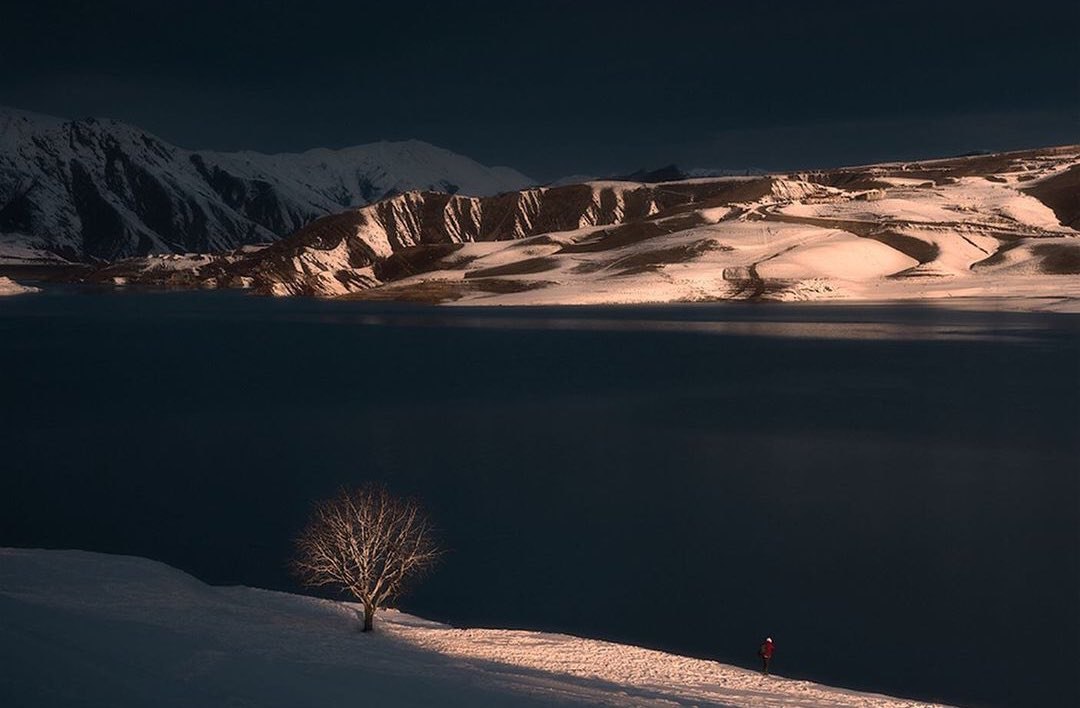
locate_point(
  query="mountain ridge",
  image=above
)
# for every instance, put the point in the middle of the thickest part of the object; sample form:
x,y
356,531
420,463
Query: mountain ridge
x,y
997,225
99,189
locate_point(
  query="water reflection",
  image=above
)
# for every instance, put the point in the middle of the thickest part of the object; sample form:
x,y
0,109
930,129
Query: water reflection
x,y
879,331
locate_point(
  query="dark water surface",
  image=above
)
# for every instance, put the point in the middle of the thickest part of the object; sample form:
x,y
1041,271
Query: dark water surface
x,y
890,492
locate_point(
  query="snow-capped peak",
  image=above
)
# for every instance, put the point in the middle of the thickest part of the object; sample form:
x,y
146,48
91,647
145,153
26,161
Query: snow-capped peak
x,y
98,188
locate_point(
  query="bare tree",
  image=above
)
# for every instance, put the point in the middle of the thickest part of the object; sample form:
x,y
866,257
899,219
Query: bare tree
x,y
368,542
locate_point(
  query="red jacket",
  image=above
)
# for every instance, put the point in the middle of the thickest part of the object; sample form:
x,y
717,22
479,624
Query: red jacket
x,y
766,650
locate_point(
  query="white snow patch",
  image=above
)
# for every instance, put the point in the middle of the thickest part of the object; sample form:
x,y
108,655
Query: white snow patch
x,y
10,287
837,255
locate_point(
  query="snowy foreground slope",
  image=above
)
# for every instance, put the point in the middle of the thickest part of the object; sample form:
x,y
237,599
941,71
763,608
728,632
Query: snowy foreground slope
x,y
1002,226
89,629
99,189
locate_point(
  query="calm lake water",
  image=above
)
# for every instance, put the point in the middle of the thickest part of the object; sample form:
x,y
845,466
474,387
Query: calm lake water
x,y
890,492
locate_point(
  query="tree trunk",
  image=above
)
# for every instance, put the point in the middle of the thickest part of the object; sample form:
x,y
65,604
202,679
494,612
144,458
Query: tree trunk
x,y
369,617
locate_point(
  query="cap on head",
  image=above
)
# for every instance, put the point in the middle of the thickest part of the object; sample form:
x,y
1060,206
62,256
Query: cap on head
x,y
768,639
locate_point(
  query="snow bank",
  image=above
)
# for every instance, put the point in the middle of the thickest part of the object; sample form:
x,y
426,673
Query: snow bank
x,y
99,630
839,255
10,287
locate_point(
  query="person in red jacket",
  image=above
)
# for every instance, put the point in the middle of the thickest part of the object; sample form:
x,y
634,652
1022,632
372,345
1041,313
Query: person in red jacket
x,y
765,651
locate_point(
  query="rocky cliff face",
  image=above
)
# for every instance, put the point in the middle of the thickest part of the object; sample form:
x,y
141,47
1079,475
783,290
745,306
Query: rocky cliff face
x,y
102,190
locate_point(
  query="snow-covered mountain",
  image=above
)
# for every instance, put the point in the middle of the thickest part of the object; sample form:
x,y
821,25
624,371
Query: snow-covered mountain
x,y
994,225
98,189
89,629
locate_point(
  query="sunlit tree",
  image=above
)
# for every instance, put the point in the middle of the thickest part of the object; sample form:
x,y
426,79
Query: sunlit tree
x,y
368,543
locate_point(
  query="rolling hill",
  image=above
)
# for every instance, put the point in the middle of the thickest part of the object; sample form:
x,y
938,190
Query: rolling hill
x,y
998,225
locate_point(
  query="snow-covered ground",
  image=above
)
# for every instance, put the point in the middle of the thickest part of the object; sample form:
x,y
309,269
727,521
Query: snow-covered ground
x,y
88,629
10,287
911,247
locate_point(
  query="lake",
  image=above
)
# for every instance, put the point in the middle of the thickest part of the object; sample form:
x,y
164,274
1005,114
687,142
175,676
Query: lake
x,y
890,492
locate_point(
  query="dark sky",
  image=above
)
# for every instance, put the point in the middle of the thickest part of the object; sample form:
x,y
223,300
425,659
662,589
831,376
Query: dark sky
x,y
556,88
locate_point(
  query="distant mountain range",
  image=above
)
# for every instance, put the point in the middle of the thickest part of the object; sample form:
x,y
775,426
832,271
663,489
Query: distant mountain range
x,y
100,190
409,221
1000,225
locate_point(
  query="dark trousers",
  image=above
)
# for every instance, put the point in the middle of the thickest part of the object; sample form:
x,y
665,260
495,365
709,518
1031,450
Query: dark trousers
x,y
765,664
